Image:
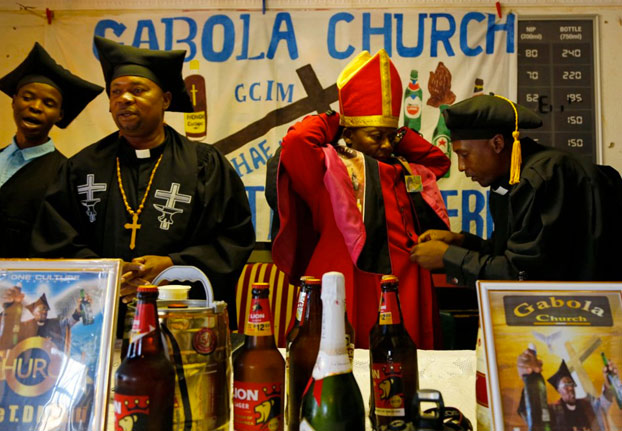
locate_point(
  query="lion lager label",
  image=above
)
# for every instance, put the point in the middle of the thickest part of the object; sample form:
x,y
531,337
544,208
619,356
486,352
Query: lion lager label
x,y
257,406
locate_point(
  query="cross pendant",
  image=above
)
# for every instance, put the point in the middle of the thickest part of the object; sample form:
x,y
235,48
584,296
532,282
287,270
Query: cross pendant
x,y
134,226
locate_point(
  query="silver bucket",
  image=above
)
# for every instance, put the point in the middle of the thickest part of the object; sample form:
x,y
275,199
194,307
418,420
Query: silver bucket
x,y
197,339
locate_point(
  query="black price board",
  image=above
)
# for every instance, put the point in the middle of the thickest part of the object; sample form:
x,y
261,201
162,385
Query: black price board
x,y
557,78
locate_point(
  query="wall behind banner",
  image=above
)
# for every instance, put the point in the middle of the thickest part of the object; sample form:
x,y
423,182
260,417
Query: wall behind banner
x,y
264,71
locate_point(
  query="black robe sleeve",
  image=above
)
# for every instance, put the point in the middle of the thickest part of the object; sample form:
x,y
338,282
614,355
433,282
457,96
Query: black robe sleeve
x,y
56,232
223,236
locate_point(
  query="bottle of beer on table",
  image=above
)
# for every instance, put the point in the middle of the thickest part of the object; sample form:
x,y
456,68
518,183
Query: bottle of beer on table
x,y
303,351
145,380
392,361
332,400
258,371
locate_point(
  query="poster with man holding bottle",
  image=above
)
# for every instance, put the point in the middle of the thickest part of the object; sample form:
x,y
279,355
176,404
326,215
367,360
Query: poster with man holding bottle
x,y
553,351
55,327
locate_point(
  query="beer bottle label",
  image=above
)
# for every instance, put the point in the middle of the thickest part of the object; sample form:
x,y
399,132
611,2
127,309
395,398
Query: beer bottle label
x,y
258,322
131,412
389,312
257,406
388,389
300,307
144,322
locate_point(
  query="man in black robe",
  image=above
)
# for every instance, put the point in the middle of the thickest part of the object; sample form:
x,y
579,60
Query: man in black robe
x,y
147,194
43,94
570,413
556,216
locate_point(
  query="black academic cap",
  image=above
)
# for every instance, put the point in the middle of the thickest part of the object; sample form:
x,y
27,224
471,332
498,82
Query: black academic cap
x,y
40,67
562,372
41,301
482,117
162,67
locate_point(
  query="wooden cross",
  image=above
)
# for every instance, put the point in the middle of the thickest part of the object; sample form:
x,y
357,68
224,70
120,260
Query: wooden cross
x,y
134,226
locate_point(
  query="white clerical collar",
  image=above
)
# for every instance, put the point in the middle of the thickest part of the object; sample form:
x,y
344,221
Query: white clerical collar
x,y
501,190
143,154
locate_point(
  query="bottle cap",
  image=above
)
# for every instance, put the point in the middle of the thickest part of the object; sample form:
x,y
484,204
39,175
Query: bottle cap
x,y
147,288
389,279
261,286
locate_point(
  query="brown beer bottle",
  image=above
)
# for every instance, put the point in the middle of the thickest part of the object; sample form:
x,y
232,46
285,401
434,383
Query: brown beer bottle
x,y
303,350
145,380
258,371
392,361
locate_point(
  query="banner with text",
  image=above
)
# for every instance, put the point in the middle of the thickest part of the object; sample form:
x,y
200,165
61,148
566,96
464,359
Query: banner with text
x,y
252,75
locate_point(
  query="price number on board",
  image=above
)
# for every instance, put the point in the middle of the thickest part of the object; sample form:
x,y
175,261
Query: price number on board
x,y
574,98
571,53
575,119
575,142
572,75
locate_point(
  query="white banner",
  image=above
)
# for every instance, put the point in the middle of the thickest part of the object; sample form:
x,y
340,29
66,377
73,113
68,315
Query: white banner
x,y
262,72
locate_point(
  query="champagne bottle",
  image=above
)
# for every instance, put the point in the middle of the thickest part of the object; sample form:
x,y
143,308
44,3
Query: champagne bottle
x,y
392,361
536,406
413,96
614,381
332,400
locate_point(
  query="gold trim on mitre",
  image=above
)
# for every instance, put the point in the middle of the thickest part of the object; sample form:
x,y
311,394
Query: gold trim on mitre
x,y
351,69
369,121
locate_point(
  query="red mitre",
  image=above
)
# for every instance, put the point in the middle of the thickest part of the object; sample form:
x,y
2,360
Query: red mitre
x,y
370,92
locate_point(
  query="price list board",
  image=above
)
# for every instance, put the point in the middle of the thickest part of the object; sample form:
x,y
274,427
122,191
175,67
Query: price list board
x,y
557,78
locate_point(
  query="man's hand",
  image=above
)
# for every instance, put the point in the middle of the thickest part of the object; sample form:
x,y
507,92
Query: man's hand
x,y
528,363
449,238
429,255
140,271
12,295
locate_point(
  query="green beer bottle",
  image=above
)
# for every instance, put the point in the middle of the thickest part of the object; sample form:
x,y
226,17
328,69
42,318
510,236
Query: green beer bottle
x,y
441,138
413,96
332,400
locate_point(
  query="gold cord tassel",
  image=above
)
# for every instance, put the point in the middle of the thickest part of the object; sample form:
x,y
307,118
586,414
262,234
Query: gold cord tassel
x,y
517,159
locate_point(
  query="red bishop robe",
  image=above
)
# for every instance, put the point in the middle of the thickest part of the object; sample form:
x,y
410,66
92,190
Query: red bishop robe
x,y
360,223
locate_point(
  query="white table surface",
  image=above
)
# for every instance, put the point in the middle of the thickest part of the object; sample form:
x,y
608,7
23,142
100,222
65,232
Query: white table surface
x,y
452,372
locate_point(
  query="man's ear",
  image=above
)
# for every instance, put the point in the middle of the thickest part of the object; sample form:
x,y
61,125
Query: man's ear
x,y
60,116
168,97
497,143
347,136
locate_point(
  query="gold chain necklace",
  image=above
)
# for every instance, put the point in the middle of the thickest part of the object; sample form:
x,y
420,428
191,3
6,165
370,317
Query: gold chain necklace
x,y
134,226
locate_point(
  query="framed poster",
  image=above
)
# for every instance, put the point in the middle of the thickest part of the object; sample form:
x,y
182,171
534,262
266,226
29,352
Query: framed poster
x,y
57,322
549,342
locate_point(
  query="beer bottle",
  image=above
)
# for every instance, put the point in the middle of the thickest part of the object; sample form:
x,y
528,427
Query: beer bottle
x,y
196,121
441,137
478,87
258,371
86,312
303,351
145,380
614,381
536,407
392,361
301,302
413,96
332,400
